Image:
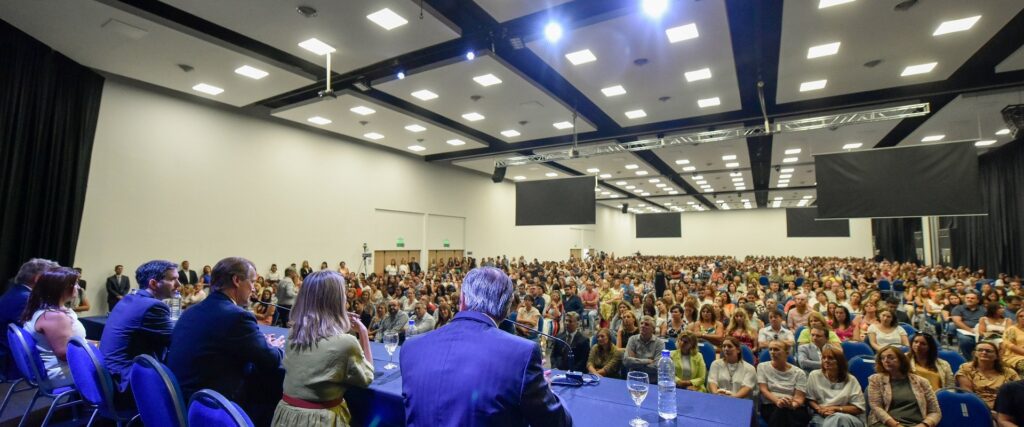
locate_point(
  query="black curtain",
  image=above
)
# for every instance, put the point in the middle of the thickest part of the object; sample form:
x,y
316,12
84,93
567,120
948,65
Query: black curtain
x,y
48,110
894,238
994,242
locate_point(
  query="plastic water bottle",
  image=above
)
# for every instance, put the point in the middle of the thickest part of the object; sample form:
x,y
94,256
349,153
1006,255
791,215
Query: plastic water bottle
x,y
667,386
176,306
411,329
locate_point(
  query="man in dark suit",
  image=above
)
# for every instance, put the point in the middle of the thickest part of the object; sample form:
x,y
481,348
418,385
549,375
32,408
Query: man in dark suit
x,y
141,322
414,267
117,287
470,373
216,344
579,343
186,276
12,304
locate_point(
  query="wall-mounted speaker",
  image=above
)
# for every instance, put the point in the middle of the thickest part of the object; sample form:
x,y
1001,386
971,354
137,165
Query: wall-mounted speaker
x,y
499,175
625,207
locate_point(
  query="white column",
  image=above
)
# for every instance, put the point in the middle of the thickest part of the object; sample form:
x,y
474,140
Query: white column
x,y
927,240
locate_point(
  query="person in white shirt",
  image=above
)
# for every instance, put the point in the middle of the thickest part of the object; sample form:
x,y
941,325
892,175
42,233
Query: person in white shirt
x,y
273,276
783,389
423,322
391,269
835,396
403,268
774,331
731,375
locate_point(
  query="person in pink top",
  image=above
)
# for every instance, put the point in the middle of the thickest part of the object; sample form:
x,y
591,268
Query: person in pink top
x,y
590,299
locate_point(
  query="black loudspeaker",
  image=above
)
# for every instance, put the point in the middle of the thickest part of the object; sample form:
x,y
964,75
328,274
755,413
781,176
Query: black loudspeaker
x,y
499,175
625,207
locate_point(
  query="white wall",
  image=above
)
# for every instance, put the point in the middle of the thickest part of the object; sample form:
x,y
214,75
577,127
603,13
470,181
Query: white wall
x,y
172,179
737,233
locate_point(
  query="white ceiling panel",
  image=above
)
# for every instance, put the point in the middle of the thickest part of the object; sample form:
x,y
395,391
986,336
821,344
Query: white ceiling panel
x,y
621,43
870,30
706,157
791,198
609,167
1013,62
505,106
108,39
969,118
504,10
721,181
532,172
821,141
800,175
644,187
385,122
341,24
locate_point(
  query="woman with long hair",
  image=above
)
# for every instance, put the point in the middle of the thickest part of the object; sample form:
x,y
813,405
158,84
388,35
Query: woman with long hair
x,y
676,323
730,375
835,396
895,394
322,359
444,314
925,362
887,332
689,364
629,327
992,326
864,321
264,308
986,373
740,329
707,326
841,323
605,358
1012,347
51,324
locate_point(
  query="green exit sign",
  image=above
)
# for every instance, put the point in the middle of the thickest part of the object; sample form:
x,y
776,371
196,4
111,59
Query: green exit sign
x,y
447,244
400,243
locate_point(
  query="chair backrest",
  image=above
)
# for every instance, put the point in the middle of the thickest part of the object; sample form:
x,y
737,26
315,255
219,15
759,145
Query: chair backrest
x,y
748,355
897,285
853,349
766,357
862,367
953,358
910,329
209,408
157,393
708,352
799,281
670,344
26,357
884,285
91,376
763,280
800,330
961,408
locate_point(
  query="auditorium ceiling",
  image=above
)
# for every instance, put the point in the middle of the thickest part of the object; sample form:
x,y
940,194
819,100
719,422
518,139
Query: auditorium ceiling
x,y
469,83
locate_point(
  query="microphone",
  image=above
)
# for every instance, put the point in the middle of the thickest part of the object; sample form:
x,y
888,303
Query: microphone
x,y
571,377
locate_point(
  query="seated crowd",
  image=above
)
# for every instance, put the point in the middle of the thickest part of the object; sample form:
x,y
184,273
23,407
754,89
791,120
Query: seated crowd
x,y
775,328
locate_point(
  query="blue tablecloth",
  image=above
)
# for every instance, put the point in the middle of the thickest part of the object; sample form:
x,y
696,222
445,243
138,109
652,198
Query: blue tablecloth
x,y
604,404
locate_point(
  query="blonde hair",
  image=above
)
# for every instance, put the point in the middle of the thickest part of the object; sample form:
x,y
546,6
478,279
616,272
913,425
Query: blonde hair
x,y
320,310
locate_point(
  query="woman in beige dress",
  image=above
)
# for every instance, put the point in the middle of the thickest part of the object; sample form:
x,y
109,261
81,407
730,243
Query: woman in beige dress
x,y
322,359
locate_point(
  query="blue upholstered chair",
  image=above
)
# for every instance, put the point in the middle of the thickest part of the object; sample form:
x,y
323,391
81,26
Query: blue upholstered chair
x,y
94,383
157,394
30,364
862,367
747,354
953,357
910,329
766,357
961,408
209,408
708,352
853,349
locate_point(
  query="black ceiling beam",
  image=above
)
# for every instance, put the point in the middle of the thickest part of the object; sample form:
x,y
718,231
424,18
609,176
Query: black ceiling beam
x,y
980,66
603,184
756,33
665,170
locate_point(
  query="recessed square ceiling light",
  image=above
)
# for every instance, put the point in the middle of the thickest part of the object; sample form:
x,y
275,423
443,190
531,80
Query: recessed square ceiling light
x,y
701,182
654,180
487,80
424,95
551,174
786,176
593,170
455,142
737,180
518,177
630,187
614,196
251,72
562,125
661,185
631,166
686,162
790,160
415,128
808,197
682,32
636,114
1002,132
605,176
673,192
417,148
783,181
207,89
956,25
729,157
782,186
614,91
777,198
823,50
642,205
641,173
318,120
984,142
787,170
373,136
362,110
387,18
813,85
581,57
697,176
701,74
732,165
793,151
473,117
829,3
510,133
852,146
620,182
933,138
709,102
689,168
918,69
741,187
645,194
734,174
316,46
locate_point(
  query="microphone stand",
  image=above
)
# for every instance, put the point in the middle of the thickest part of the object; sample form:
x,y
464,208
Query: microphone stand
x,y
571,378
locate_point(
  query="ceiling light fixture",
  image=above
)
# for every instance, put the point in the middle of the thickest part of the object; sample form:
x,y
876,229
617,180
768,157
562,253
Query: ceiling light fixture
x,y
473,117
681,33
487,80
701,74
362,110
319,120
470,56
813,85
373,135
984,142
593,170
787,170
636,114
417,148
605,176
455,142
424,95
689,168
251,72
510,133
655,8
956,25
1002,132
631,166
852,146
686,162
641,173
415,128
732,165
387,18
729,157
562,125
552,31
918,69
581,57
829,3
793,151
933,138
518,177
551,174
207,89
790,160
708,102
823,50
613,91
316,46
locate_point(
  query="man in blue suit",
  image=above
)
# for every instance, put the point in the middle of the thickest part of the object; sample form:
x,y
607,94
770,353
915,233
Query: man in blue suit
x,y
141,322
470,373
216,344
12,304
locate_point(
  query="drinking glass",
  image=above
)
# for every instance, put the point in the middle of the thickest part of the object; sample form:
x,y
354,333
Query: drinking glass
x,y
390,344
637,384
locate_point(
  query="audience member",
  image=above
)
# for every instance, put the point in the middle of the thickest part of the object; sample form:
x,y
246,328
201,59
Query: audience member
x,y
741,329
579,343
395,321
187,276
817,320
809,354
12,306
966,318
835,396
887,332
605,358
140,323
985,373
1012,347
775,331
925,362
644,350
783,389
800,312
689,363
730,375
993,325
51,324
842,324
117,287
529,316
264,308
287,290
707,326
896,396
865,321
322,359
1009,406
423,322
